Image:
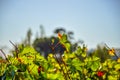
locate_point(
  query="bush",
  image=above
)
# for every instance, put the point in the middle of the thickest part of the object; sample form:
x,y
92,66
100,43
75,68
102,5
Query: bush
x,y
28,64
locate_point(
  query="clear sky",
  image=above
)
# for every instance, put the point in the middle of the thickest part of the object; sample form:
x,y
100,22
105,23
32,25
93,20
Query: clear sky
x,y
93,21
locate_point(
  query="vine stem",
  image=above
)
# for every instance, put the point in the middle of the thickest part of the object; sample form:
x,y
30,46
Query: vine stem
x,y
4,55
56,45
16,48
66,69
53,50
109,49
59,62
61,67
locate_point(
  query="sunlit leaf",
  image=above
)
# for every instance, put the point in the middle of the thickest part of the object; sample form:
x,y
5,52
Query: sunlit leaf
x,y
117,67
83,54
67,45
95,66
112,78
118,60
111,52
64,38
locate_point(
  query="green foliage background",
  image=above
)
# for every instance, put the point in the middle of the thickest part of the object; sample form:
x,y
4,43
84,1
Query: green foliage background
x,y
27,64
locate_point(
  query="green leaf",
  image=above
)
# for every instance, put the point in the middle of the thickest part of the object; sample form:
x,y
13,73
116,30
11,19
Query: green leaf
x,y
88,59
77,64
67,45
94,58
95,65
29,50
64,38
89,79
112,78
117,67
71,55
83,54
89,63
73,69
53,76
78,51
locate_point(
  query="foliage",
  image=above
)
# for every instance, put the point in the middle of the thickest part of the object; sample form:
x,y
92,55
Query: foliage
x,y
27,64
102,53
43,44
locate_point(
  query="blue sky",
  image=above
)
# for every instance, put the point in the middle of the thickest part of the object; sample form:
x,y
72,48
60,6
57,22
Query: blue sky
x,y
94,21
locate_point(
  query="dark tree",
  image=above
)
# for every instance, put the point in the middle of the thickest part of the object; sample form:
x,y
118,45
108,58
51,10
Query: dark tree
x,y
45,46
59,30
